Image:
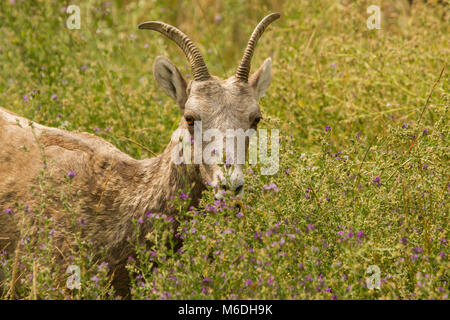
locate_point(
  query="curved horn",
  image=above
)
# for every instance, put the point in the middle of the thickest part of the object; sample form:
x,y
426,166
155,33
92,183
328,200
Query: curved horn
x,y
244,67
198,66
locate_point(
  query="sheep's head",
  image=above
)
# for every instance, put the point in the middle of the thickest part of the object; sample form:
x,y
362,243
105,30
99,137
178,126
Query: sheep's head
x,y
218,115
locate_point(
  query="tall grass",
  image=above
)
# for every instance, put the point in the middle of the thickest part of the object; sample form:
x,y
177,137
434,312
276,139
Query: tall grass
x,y
363,118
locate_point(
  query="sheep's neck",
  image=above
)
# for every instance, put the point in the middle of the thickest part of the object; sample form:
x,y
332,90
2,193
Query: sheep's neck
x,y
156,189
161,183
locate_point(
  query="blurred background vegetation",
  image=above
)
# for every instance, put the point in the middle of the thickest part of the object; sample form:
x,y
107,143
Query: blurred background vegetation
x,y
369,86
329,68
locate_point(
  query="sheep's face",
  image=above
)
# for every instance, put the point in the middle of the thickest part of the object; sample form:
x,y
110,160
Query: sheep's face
x,y
219,117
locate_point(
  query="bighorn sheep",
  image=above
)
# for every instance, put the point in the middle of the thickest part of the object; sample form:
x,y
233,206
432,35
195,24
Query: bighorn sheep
x,y
114,188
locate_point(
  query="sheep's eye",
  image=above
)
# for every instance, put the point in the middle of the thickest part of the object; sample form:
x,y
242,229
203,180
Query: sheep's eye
x,y
190,121
256,121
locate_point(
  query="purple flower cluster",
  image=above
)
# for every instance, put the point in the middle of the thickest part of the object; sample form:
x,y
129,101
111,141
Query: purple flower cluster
x,y
271,186
211,208
376,181
71,174
184,196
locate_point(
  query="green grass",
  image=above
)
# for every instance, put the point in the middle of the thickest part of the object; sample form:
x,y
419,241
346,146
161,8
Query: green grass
x,y
332,217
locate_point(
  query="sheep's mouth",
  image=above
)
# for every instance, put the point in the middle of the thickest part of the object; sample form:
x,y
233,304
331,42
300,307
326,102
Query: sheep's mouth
x,y
238,205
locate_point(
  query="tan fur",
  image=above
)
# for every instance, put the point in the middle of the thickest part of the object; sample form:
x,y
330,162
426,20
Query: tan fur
x,y
113,188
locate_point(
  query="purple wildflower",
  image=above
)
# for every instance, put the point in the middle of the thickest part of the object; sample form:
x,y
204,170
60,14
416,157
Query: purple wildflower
x,y
271,186
103,265
211,208
207,280
425,132
184,196
327,129
152,255
71,174
377,181
54,96
404,240
8,211
417,250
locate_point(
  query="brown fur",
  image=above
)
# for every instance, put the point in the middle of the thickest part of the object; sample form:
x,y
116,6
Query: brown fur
x,y
112,187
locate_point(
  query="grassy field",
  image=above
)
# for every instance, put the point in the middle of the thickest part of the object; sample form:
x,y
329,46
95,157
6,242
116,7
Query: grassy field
x,y
364,158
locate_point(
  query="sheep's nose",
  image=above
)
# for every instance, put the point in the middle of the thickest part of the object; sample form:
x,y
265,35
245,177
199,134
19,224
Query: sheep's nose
x,y
238,189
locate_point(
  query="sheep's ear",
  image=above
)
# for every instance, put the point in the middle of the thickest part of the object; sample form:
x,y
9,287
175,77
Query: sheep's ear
x,y
261,79
170,80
